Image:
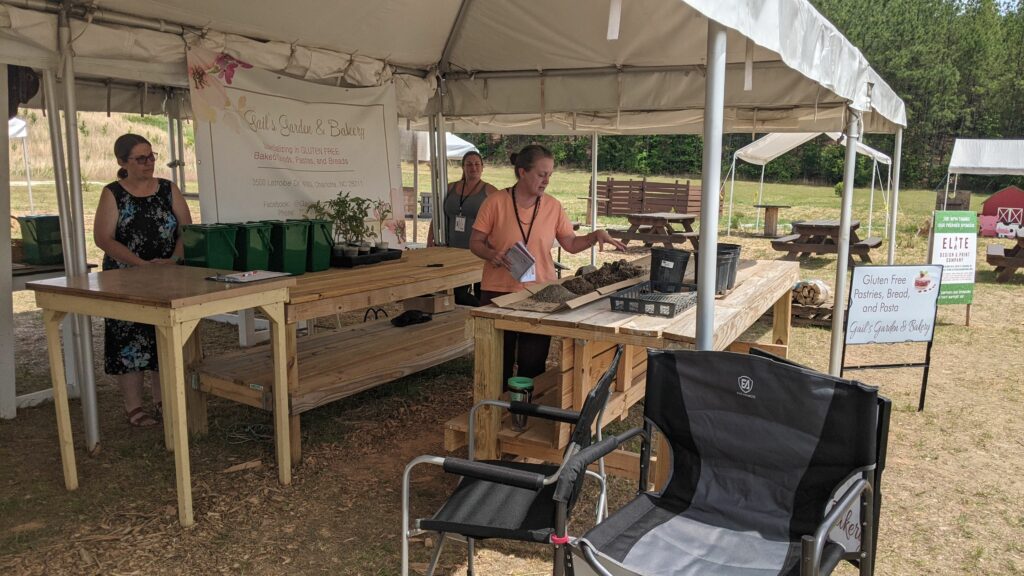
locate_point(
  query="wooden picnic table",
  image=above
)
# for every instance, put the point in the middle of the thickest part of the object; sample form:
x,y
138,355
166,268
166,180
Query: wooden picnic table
x,y
173,299
822,237
653,227
1007,262
588,337
326,367
771,217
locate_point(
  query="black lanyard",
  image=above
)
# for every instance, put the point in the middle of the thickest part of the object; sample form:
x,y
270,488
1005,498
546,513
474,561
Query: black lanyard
x,y
526,235
463,195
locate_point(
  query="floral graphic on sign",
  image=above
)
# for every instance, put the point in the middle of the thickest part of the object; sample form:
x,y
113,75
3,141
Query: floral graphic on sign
x,y
209,73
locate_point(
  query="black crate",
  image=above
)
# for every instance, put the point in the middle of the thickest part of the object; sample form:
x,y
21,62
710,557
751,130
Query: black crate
x,y
640,299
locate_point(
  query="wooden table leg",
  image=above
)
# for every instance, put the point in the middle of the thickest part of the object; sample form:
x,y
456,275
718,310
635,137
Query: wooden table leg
x,y
771,221
170,341
294,420
195,399
488,363
51,322
282,426
582,378
781,320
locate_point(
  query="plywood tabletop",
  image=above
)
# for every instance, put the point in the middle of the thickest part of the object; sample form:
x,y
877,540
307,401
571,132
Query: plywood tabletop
x,y
759,284
415,266
163,286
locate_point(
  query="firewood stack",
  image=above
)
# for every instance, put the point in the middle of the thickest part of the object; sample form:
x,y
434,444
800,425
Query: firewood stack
x,y
811,293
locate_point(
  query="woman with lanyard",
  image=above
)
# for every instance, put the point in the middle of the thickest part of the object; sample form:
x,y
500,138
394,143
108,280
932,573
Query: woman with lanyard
x,y
461,204
524,213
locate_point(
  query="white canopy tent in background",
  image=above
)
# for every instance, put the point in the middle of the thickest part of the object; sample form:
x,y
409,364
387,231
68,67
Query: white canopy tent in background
x,y
642,67
17,129
416,146
767,148
984,158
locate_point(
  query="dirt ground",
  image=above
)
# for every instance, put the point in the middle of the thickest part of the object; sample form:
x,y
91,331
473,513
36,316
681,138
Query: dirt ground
x,y
952,492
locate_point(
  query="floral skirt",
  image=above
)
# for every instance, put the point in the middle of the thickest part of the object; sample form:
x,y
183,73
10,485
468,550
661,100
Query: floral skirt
x,y
128,347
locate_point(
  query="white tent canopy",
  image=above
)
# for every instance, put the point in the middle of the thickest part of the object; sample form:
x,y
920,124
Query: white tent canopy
x,y
666,66
769,147
987,157
457,147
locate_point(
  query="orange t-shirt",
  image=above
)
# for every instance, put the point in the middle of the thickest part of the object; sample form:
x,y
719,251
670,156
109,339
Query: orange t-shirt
x,y
497,219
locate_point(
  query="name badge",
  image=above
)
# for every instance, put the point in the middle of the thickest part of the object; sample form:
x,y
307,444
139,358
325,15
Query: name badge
x,y
460,223
530,275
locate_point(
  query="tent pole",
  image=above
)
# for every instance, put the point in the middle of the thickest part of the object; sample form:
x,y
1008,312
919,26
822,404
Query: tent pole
x,y
172,143
945,195
8,392
732,191
28,172
71,363
711,174
871,202
415,184
593,193
83,325
835,362
180,133
760,193
894,187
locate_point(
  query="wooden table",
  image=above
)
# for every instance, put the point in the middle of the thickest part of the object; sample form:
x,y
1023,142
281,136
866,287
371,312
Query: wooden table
x,y
1007,262
173,299
771,218
655,227
822,237
325,368
590,331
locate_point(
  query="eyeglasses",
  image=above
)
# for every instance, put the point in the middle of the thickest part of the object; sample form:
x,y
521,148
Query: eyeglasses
x,y
144,159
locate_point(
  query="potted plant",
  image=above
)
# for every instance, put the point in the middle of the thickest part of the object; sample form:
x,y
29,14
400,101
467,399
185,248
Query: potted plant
x,y
357,225
339,211
381,212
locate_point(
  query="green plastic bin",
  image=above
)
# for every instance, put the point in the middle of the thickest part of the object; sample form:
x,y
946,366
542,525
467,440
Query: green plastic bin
x,y
40,237
288,242
318,252
209,245
252,241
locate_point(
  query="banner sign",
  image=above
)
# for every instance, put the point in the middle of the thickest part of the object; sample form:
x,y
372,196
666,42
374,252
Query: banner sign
x,y
955,246
267,145
890,304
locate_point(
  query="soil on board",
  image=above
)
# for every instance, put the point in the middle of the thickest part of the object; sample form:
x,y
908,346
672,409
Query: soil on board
x,y
554,293
952,490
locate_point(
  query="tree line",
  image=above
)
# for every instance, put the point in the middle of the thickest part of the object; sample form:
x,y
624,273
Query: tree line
x,y
957,64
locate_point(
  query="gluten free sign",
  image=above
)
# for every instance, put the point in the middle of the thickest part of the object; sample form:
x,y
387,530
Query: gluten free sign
x,y
891,304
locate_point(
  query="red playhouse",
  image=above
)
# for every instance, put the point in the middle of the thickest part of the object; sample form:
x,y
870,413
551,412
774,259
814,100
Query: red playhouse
x,y
1003,213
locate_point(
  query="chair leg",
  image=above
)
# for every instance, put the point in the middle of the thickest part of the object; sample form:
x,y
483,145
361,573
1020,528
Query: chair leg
x,y
469,561
436,555
558,569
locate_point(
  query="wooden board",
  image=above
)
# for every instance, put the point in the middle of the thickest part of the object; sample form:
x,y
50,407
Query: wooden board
x,y
335,365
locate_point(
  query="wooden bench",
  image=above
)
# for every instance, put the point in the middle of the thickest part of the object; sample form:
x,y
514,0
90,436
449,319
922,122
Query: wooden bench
x,y
1006,264
335,365
867,243
622,197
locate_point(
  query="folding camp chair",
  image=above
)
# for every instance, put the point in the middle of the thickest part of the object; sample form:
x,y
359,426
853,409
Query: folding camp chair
x,y
766,458
509,500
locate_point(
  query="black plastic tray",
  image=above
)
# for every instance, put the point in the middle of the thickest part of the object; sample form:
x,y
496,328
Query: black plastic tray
x,y
640,299
375,256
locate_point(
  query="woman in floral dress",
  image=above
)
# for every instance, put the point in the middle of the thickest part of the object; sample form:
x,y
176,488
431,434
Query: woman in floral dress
x,y
137,223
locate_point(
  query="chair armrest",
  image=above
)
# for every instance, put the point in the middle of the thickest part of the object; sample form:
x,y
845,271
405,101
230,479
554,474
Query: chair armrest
x,y
546,412
494,473
813,546
577,465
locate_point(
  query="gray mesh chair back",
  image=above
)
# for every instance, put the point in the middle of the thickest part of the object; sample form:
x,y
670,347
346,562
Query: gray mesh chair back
x,y
759,449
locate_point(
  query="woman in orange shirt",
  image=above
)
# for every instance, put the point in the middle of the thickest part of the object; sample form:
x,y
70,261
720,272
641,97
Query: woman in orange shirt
x,y
524,213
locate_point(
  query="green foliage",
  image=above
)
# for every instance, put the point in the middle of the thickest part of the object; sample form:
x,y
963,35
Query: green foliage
x,y
348,215
838,189
154,121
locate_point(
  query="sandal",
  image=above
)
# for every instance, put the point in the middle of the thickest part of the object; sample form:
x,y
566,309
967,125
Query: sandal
x,y
139,418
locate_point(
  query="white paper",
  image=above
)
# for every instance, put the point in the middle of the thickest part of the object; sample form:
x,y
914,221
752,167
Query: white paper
x,y
460,223
522,265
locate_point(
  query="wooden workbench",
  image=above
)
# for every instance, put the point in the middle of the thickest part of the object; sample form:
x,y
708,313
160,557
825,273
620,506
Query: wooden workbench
x,y
589,335
173,299
325,368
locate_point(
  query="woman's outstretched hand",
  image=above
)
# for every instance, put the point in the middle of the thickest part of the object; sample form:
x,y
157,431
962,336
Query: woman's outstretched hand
x,y
602,237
